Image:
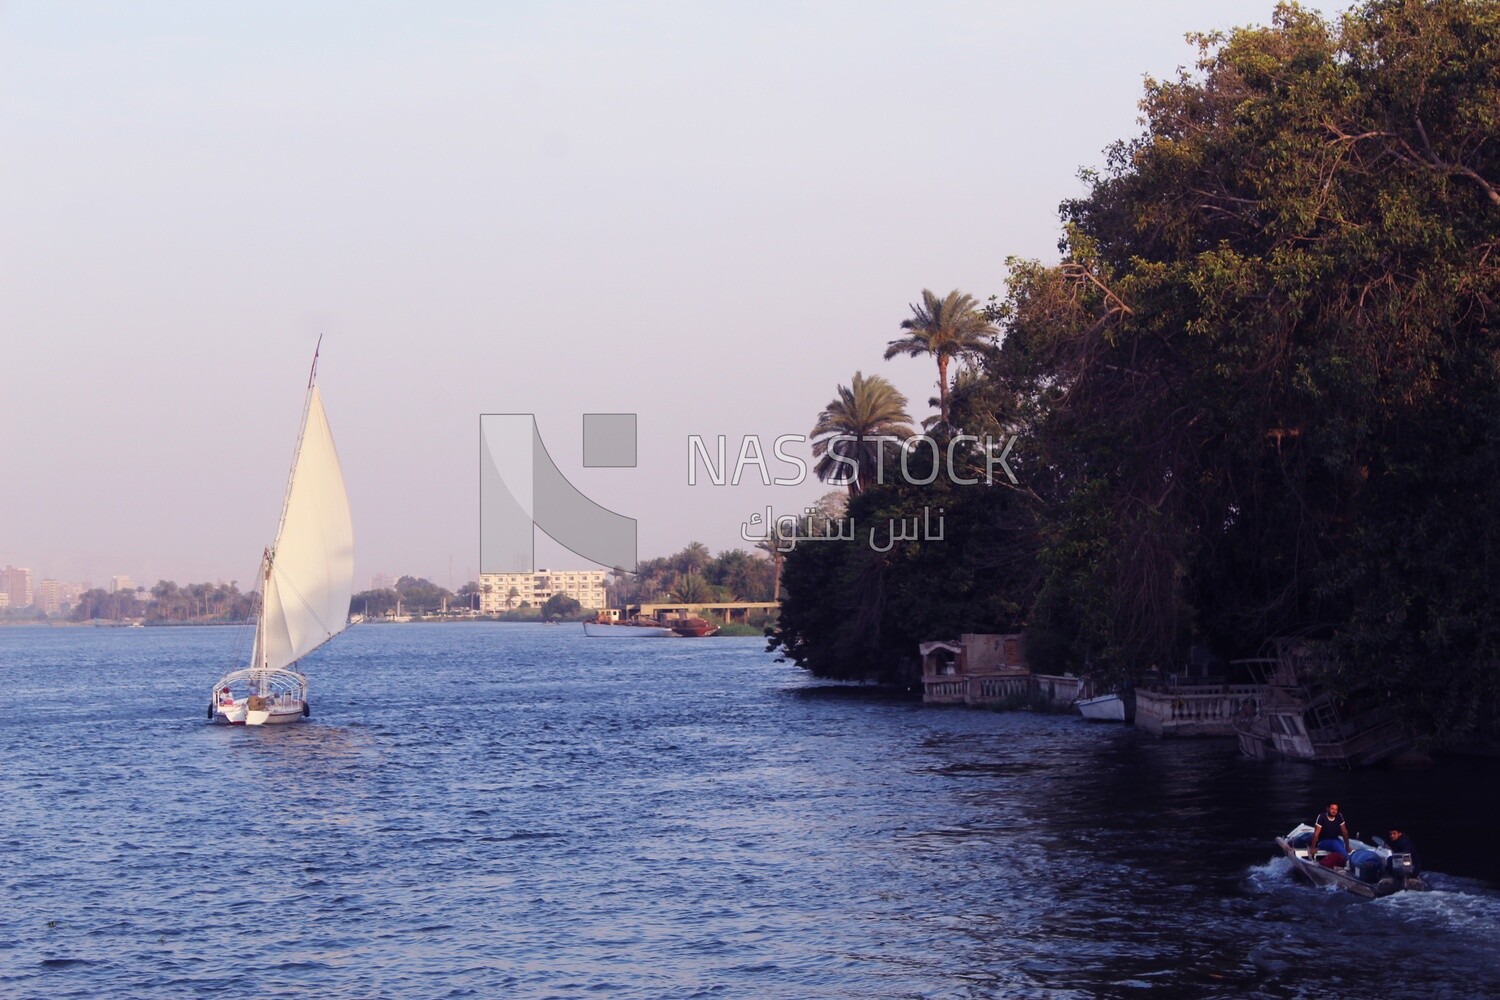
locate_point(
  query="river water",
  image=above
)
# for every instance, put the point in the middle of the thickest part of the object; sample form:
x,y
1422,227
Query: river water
x,y
488,810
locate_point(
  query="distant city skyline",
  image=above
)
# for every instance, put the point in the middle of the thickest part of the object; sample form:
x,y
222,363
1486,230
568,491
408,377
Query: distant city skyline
x,y
20,589
706,215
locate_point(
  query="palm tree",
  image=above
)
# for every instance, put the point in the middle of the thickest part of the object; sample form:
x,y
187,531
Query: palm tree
x,y
734,570
619,589
771,547
651,578
692,589
852,425
946,328
693,558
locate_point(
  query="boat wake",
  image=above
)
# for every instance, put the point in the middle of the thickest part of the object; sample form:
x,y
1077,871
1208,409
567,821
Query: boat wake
x,y
1273,876
1459,906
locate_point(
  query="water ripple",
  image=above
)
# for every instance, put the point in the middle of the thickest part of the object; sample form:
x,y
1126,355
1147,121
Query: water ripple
x,y
489,810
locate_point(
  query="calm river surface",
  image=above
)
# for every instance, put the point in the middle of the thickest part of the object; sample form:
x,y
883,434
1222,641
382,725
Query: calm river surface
x,y
516,810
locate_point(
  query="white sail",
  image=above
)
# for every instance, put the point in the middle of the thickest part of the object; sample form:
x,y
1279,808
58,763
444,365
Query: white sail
x,y
312,563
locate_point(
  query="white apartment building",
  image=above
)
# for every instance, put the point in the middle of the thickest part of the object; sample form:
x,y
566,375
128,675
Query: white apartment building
x,y
586,586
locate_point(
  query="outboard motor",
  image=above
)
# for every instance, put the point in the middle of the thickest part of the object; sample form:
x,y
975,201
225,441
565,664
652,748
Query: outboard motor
x,y
1400,866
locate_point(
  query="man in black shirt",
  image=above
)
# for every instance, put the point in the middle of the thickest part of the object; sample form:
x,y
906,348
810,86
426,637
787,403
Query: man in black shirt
x,y
1330,833
1400,843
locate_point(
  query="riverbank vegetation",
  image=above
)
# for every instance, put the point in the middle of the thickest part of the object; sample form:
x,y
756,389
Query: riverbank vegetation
x,y
413,595
696,576
193,603
693,575
1259,395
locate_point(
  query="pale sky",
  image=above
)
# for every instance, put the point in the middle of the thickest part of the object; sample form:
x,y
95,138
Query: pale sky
x,y
707,214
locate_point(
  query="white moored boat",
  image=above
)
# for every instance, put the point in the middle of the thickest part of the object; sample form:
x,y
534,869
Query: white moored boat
x,y
628,630
611,625
1104,708
307,578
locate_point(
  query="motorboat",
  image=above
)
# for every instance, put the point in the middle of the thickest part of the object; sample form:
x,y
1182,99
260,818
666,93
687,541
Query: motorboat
x,y
1371,870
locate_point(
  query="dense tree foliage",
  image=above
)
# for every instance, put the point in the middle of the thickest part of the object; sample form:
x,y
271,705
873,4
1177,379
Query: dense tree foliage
x,y
1262,386
419,595
560,606
1260,394
373,603
857,608
169,602
201,602
103,605
693,575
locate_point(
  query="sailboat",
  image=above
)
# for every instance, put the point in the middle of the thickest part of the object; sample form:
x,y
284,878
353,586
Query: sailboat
x,y
307,578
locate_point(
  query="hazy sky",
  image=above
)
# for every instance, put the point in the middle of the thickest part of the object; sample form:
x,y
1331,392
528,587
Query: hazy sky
x,y
707,214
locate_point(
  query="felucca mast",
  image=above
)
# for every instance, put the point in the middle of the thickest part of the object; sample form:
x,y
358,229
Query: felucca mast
x,y
301,431
312,374
259,666
269,559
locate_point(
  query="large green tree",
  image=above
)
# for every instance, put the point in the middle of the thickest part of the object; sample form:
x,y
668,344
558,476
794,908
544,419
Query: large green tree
x,y
1263,386
419,594
856,609
1259,395
560,606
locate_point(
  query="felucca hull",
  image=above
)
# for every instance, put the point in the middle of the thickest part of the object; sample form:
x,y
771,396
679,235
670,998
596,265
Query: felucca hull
x,y
280,716
274,697
230,715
